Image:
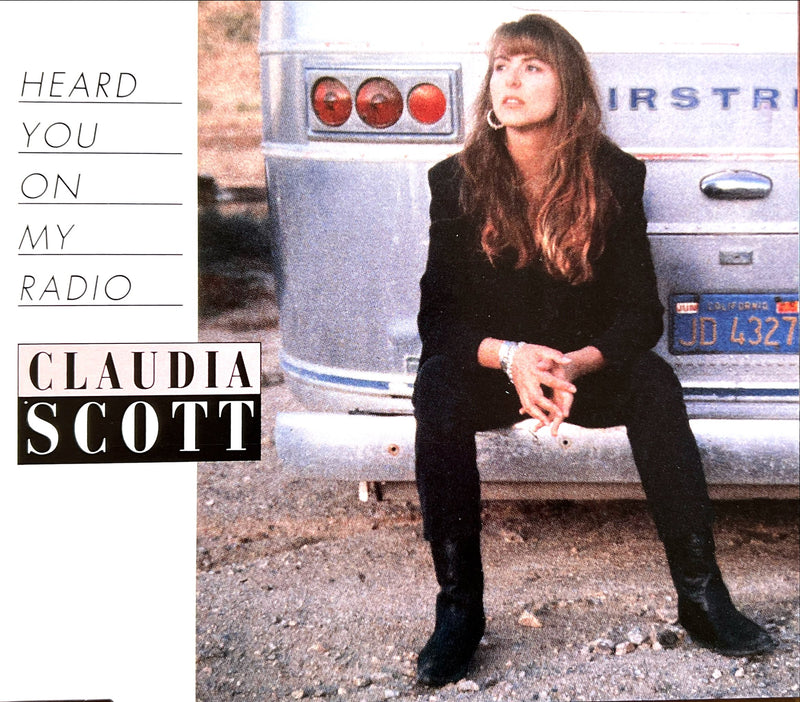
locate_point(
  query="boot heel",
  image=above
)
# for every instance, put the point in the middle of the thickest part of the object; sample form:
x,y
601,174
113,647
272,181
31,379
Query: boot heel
x,y
447,654
460,619
705,608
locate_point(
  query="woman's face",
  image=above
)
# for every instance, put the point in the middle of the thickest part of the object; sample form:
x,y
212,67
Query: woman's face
x,y
524,90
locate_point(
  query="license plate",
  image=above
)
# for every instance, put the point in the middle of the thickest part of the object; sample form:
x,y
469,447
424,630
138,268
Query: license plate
x,y
733,323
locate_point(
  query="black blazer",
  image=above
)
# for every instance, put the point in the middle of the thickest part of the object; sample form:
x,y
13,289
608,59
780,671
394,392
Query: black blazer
x,y
464,298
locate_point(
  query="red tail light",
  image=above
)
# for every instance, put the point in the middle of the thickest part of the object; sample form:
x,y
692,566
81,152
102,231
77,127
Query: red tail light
x,y
331,101
379,103
413,104
427,103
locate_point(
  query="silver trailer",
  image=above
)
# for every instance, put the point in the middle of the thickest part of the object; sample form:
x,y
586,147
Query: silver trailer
x,y
361,98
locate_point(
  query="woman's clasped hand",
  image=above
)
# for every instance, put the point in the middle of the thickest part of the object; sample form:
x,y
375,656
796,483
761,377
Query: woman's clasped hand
x,y
543,379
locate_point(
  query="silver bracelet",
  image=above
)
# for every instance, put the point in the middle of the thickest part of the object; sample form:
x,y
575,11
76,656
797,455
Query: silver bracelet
x,y
507,351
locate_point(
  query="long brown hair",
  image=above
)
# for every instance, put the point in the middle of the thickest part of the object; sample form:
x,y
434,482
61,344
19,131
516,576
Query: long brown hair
x,y
563,226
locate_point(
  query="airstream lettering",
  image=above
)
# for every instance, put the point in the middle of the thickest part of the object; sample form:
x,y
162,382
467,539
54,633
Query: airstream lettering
x,y
690,98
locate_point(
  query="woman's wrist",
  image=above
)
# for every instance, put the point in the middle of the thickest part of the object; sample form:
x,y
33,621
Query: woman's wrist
x,y
506,353
585,360
489,353
498,354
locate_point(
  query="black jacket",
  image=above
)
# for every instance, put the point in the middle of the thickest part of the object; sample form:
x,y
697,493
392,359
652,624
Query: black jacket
x,y
464,298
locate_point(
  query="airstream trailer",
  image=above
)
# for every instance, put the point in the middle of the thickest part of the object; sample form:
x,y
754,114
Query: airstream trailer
x,y
360,99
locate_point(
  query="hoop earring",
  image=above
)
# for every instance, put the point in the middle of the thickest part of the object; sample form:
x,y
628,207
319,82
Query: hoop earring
x,y
494,123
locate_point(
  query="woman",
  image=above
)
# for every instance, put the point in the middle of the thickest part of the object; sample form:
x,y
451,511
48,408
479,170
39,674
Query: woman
x,y
539,299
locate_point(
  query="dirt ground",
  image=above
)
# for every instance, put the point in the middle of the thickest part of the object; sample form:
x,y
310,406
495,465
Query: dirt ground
x,y
305,592
229,93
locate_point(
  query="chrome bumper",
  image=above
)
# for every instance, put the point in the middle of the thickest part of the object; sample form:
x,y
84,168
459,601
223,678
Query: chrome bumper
x,y
380,448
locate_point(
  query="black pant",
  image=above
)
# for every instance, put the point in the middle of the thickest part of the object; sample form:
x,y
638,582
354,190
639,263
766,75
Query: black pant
x,y
452,403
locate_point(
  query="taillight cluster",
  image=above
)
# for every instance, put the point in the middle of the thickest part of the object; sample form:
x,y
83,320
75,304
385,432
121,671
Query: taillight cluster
x,y
405,103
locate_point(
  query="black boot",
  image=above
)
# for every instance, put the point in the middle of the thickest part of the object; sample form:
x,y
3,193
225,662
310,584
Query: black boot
x,y
705,608
460,620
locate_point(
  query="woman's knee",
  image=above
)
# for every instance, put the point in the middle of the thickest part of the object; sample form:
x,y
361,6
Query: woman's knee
x,y
655,397
653,376
441,392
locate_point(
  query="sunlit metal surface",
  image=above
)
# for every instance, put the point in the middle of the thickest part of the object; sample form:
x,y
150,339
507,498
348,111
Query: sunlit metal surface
x,y
381,448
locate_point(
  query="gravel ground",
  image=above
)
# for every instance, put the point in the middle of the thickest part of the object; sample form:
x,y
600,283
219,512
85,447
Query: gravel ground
x,y
304,592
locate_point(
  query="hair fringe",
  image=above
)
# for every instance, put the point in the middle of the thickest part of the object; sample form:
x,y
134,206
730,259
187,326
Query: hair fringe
x,y
564,227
